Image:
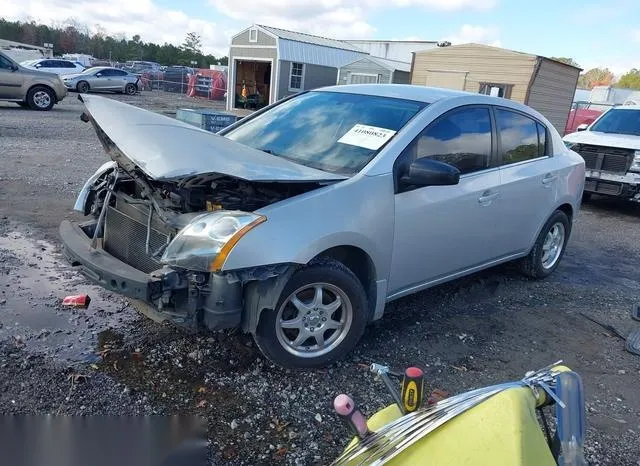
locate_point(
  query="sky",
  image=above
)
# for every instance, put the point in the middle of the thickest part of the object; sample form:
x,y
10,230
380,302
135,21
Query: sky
x,y
594,33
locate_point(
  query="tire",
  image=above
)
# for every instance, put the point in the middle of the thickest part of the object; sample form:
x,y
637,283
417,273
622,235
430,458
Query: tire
x,y
41,98
586,196
538,264
82,87
130,89
340,326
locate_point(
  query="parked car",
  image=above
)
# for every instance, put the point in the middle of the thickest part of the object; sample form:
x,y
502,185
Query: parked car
x,y
610,147
176,78
584,113
301,221
57,66
29,88
102,78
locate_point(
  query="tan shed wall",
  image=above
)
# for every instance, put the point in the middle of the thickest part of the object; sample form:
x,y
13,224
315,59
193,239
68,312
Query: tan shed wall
x,y
552,92
263,39
482,64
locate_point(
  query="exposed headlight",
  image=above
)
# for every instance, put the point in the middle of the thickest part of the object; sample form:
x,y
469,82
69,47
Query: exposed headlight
x,y
205,243
635,166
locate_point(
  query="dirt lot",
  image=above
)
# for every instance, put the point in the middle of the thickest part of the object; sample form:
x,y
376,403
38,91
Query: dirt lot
x,y
484,329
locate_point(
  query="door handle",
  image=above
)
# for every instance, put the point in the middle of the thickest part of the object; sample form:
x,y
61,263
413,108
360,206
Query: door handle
x,y
548,179
487,196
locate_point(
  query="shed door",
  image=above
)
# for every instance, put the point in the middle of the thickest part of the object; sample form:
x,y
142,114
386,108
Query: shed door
x,y
447,79
361,78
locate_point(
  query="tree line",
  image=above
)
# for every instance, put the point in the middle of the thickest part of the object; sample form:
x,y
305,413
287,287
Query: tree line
x,y
73,37
604,77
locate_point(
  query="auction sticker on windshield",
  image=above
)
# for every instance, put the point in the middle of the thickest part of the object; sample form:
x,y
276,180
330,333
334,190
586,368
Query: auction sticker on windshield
x,y
369,137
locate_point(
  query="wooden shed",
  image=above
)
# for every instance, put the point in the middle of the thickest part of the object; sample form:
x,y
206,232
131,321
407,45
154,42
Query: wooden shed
x,y
544,84
376,70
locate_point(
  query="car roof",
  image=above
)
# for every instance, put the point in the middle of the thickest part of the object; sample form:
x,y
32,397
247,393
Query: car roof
x,y
399,91
54,58
626,107
429,95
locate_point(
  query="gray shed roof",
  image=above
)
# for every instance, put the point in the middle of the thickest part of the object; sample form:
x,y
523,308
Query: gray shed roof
x,y
310,39
391,65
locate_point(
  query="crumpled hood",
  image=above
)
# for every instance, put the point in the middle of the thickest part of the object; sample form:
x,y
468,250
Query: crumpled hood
x,y
596,138
165,148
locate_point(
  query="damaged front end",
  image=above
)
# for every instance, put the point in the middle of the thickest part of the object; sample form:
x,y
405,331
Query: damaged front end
x,y
164,241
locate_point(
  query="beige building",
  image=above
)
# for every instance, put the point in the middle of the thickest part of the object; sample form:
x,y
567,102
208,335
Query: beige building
x,y
544,84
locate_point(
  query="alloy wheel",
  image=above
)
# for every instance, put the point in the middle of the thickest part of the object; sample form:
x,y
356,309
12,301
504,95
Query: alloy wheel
x,y
42,99
314,320
553,245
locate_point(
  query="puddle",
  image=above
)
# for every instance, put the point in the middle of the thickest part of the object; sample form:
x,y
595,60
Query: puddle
x,y
34,278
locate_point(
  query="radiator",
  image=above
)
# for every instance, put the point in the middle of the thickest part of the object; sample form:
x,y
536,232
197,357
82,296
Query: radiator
x,y
125,236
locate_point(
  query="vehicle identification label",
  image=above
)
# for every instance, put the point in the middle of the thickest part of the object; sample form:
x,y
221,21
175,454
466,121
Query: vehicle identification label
x,y
369,137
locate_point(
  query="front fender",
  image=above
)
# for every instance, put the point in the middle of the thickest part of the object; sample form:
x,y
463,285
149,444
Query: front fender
x,y
358,212
84,192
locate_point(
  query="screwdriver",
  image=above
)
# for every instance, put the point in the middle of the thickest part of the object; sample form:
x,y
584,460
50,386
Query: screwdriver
x,y
412,389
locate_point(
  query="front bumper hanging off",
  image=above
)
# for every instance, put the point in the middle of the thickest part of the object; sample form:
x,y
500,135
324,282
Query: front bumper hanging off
x,y
209,300
625,186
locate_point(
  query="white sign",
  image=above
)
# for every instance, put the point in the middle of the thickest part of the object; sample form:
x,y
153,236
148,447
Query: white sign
x,y
369,137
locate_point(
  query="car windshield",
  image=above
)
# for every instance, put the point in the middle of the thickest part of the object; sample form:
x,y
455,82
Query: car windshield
x,y
619,121
331,131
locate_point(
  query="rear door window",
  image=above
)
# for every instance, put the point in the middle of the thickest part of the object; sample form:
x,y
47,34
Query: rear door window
x,y
519,137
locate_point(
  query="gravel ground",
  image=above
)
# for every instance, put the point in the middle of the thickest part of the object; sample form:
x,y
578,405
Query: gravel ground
x,y
484,329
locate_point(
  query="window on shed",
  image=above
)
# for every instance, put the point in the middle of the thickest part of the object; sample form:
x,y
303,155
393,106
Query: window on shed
x,y
496,89
253,35
363,78
518,136
296,76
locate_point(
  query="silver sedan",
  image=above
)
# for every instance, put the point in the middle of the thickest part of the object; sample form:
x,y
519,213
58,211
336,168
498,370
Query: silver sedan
x,y
102,78
301,222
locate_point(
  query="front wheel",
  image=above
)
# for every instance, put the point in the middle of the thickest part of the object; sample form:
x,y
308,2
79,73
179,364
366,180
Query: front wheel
x,y
130,89
548,248
321,315
41,98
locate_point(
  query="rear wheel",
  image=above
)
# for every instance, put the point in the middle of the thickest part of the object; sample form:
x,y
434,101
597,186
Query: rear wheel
x,y
40,98
548,248
130,89
321,315
82,87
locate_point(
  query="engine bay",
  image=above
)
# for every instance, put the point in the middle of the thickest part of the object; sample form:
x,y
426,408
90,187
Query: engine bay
x,y
201,193
219,192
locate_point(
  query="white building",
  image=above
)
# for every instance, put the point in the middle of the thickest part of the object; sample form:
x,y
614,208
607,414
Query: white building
x,y
396,50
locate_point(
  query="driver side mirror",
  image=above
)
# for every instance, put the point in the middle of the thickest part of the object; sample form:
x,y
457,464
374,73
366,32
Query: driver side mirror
x,y
38,65
14,67
582,127
429,172
98,75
